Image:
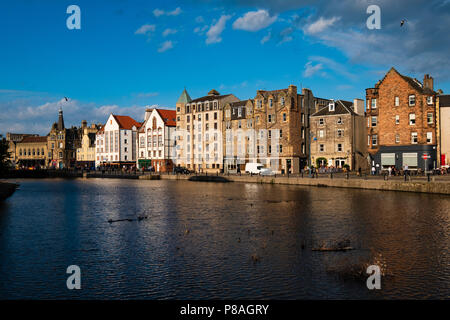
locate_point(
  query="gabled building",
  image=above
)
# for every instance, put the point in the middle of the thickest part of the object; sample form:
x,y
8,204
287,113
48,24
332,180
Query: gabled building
x,y
338,135
116,142
157,140
199,124
401,122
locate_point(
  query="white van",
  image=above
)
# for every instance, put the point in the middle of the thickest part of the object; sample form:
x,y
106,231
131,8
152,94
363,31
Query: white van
x,y
254,168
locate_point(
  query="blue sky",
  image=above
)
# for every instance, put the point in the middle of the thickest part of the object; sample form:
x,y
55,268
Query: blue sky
x,y
131,54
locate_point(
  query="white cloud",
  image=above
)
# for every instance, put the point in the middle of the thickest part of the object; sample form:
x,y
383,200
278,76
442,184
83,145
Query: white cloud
x,y
254,21
311,69
168,32
166,45
286,35
159,12
320,25
201,30
215,31
266,38
146,29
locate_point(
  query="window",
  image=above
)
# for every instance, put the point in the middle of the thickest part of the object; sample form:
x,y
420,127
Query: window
x,y
397,138
280,148
270,103
412,100
321,134
303,118
284,117
412,119
321,122
368,140
259,104
321,147
215,115
339,120
269,134
269,118
126,149
430,100
429,118
125,141
374,140
303,133
414,137
281,133
374,103
270,149
257,119
240,112
207,116
339,133
397,119
397,101
374,121
282,101
339,147
429,137
239,124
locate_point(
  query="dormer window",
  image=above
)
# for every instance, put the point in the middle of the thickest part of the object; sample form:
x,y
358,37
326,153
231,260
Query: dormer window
x,y
331,107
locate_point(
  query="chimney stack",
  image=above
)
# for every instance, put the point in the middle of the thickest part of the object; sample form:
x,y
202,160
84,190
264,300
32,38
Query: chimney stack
x,y
428,82
358,107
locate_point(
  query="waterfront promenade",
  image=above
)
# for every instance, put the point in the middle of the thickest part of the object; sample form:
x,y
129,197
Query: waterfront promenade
x,y
435,184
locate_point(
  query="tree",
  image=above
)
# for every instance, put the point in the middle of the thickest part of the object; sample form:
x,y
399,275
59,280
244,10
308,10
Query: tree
x,y
4,154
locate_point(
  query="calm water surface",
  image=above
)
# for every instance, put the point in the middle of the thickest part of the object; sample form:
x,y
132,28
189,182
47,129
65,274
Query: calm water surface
x,y
199,238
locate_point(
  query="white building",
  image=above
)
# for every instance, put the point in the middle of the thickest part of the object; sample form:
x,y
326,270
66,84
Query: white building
x,y
116,142
156,146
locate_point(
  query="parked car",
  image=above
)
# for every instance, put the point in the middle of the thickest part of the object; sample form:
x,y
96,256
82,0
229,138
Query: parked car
x,y
254,168
266,172
181,170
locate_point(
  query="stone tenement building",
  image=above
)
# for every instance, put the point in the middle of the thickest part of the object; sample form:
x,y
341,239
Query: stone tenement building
x,y
62,144
199,130
238,135
281,119
401,122
338,135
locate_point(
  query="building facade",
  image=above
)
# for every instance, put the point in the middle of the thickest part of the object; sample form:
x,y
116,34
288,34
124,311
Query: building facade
x,y
86,152
156,145
62,144
338,136
443,131
239,136
13,139
401,122
116,142
32,152
199,131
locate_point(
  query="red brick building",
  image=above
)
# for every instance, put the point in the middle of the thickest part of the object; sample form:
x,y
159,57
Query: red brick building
x,y
401,122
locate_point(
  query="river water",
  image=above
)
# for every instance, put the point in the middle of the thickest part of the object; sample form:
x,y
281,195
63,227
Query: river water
x,y
199,240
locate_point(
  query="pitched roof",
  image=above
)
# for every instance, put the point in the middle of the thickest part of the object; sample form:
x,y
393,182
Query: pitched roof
x,y
444,100
239,103
34,139
169,117
416,84
340,107
126,122
184,97
209,98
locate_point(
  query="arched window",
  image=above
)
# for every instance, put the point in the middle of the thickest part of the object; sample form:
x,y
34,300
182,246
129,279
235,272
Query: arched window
x,y
29,152
154,124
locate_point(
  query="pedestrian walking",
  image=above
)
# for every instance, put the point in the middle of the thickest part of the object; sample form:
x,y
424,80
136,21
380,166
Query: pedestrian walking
x,y
373,170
